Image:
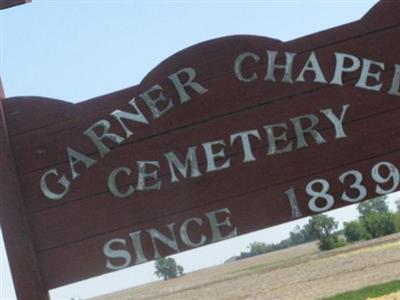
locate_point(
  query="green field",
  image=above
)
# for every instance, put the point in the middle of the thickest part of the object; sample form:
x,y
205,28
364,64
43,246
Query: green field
x,y
372,291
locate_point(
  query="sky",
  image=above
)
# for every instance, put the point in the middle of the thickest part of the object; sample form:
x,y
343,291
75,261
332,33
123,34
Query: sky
x,y
76,50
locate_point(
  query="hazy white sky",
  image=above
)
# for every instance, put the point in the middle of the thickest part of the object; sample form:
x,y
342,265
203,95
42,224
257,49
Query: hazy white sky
x,y
76,50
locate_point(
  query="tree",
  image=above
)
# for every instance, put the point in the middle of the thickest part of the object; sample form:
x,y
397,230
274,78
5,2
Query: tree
x,y
355,231
257,248
377,205
297,236
166,268
379,224
331,242
376,217
321,226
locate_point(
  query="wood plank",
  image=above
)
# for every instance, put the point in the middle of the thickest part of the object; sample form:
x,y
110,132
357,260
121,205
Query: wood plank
x,y
268,206
55,111
86,217
48,143
17,236
363,104
69,235
382,16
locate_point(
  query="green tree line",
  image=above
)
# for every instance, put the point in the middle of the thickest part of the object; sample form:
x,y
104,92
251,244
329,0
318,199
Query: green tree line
x,y
375,220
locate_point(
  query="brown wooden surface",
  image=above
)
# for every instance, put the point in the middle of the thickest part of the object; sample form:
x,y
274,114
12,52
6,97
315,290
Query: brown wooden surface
x,y
17,236
2,94
243,178
250,212
58,128
69,234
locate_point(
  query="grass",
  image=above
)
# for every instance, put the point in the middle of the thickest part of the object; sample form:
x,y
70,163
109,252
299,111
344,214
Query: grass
x,y
369,292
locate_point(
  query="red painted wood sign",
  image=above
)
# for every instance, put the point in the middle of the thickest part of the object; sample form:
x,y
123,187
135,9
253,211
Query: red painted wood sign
x,y
223,138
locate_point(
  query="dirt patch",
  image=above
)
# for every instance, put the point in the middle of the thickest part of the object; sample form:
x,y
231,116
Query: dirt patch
x,y
298,273
394,296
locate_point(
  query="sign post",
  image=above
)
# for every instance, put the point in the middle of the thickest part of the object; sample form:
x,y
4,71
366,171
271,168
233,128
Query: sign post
x,y
223,138
17,236
16,230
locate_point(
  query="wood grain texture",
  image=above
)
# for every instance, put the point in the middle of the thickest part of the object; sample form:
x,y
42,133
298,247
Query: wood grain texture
x,y
25,271
50,138
69,234
365,132
267,206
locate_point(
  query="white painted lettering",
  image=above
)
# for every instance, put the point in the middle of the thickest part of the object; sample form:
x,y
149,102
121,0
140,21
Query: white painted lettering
x,y
190,163
312,65
337,122
159,105
180,86
116,254
273,138
212,156
168,241
237,66
144,175
287,67
216,225
63,181
136,116
340,67
301,131
244,137
112,184
74,157
185,235
367,74
395,87
97,140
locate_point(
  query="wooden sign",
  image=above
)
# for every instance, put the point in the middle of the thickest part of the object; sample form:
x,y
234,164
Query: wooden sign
x,y
223,138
